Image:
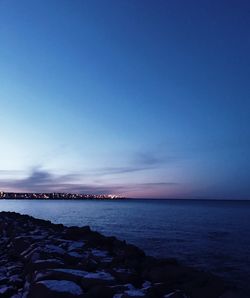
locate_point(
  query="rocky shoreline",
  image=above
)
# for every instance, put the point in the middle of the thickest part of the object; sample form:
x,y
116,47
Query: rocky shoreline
x,y
39,259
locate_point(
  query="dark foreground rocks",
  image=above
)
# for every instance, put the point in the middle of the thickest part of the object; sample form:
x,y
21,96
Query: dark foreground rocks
x,y
39,259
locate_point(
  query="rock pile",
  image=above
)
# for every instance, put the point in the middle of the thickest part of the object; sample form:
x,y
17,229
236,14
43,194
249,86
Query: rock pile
x,y
39,259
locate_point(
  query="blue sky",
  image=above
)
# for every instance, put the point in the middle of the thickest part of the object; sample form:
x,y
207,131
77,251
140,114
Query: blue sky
x,y
138,98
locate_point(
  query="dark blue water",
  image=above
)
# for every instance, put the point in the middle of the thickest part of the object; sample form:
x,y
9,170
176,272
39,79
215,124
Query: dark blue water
x,y
212,235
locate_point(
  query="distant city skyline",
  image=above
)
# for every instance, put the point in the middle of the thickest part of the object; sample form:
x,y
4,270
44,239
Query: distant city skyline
x,y
145,99
54,196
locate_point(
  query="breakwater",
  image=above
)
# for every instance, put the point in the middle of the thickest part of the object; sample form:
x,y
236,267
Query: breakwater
x,y
41,259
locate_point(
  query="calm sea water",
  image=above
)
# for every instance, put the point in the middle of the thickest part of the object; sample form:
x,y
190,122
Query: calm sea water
x,y
212,235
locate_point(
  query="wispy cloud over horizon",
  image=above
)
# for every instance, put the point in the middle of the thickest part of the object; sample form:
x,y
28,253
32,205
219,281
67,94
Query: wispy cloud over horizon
x,y
44,181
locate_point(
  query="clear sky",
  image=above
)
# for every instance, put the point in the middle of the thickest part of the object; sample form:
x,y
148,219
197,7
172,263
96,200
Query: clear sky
x,y
137,98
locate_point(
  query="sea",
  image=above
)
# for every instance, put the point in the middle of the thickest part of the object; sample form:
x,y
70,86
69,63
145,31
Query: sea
x,y
211,235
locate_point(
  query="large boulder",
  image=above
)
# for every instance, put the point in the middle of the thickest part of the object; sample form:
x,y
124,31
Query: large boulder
x,y
55,289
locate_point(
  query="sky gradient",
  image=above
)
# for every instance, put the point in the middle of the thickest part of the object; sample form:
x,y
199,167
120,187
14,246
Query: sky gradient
x,y
137,98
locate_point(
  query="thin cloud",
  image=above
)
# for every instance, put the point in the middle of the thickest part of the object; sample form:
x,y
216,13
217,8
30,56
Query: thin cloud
x,y
44,181
141,161
147,158
41,180
10,172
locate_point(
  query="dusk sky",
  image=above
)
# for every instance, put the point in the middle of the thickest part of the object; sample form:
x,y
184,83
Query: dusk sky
x,y
136,98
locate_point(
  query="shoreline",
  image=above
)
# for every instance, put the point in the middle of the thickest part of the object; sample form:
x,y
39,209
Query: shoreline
x,y
42,259
127,199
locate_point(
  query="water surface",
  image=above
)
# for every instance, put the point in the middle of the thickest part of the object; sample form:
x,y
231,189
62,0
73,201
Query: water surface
x,y
212,235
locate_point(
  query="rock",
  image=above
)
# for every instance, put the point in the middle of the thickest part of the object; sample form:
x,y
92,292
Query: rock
x,y
84,278
233,294
75,245
176,294
99,253
76,233
100,291
15,280
126,276
3,280
21,243
55,289
131,291
15,268
6,291
97,278
18,295
43,264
